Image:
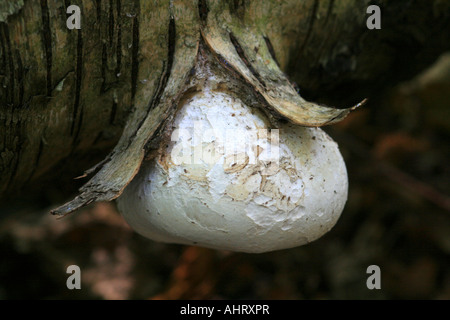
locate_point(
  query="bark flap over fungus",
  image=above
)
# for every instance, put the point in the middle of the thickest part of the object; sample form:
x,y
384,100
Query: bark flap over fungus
x,y
239,43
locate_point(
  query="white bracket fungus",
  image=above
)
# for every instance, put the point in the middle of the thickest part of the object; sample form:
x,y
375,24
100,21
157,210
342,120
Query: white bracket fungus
x,y
226,181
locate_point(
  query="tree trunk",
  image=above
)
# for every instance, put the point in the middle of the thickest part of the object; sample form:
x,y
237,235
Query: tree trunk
x,y
68,97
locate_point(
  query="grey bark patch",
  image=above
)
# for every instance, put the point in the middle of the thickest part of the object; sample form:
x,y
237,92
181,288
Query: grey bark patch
x,y
9,8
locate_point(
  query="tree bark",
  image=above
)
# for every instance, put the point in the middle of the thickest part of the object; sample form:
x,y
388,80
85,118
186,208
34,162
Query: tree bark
x,y
70,97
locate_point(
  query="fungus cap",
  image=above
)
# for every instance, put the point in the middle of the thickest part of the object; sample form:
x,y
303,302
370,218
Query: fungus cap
x,y
228,182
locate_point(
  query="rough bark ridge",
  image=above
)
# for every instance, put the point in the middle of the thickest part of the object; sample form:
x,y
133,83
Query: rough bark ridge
x,y
64,92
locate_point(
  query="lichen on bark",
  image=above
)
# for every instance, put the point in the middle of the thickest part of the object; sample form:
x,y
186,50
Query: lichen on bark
x,y
8,8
